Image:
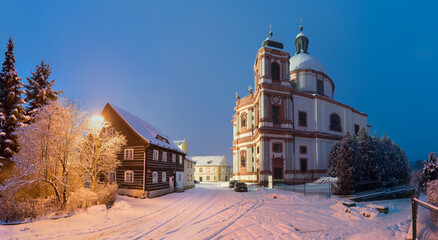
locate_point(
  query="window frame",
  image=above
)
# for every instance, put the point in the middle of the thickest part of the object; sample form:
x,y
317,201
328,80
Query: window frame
x,y
356,129
110,179
277,144
302,113
180,159
173,157
276,73
154,177
275,115
242,160
322,87
303,149
164,156
339,122
155,155
305,165
126,154
163,177
127,172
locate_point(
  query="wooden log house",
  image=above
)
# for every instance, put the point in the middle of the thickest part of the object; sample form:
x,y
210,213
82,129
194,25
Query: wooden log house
x,y
151,163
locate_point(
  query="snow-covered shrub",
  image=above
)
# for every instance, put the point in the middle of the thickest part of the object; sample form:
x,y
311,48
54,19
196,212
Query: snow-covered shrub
x,y
417,178
16,210
432,197
106,193
430,169
82,198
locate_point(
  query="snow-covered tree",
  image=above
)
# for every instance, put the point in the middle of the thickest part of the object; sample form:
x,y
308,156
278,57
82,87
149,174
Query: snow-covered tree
x,y
345,167
430,170
333,159
49,149
11,101
39,88
98,151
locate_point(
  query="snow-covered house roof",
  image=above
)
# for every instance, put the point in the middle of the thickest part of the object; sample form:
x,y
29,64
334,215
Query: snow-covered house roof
x,y
210,160
145,130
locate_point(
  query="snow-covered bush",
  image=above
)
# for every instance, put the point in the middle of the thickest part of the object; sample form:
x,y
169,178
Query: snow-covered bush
x,y
106,193
13,209
82,198
432,197
430,169
417,178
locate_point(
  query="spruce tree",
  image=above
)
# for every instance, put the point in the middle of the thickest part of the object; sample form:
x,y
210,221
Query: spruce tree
x,y
11,104
39,88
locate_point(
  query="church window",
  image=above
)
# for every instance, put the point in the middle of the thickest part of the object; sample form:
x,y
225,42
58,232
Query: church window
x,y
356,129
335,123
277,147
303,164
276,114
242,160
303,149
302,119
275,71
243,123
320,87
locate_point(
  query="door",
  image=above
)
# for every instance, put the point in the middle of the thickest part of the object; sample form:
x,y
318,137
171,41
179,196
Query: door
x,y
278,173
179,180
171,184
200,179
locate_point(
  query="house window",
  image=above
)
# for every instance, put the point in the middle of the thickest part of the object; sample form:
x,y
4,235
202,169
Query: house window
x,y
242,160
129,176
303,149
154,177
163,177
258,149
276,114
208,178
303,164
243,121
208,169
188,177
164,156
356,129
277,147
222,169
320,87
215,178
112,177
180,159
302,119
111,131
173,157
200,169
155,157
129,154
275,71
335,122
215,169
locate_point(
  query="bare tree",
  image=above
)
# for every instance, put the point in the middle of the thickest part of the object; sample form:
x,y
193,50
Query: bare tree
x,y
98,150
49,149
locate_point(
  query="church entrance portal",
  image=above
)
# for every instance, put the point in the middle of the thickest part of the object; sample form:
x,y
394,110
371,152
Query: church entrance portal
x,y
277,168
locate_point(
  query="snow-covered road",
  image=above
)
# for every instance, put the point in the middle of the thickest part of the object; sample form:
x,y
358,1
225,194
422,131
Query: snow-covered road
x,y
214,211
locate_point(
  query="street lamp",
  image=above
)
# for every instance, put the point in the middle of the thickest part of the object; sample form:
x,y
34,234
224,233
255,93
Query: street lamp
x,y
97,123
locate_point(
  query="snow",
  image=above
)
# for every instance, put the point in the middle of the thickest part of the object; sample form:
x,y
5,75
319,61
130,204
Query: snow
x,y
214,211
306,61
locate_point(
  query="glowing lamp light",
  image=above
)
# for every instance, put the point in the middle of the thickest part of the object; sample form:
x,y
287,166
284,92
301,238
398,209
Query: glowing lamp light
x,y
97,122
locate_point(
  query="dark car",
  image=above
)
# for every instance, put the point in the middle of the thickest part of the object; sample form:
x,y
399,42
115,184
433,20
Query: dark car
x,y
196,181
240,187
231,183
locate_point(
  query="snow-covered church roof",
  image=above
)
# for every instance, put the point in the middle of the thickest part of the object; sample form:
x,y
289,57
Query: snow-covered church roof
x,y
145,130
306,61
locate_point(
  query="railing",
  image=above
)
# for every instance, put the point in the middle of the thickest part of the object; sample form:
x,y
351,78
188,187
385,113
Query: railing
x,y
307,188
415,203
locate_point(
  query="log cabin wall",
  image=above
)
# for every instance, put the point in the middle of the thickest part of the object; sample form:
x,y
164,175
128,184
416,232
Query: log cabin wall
x,y
135,165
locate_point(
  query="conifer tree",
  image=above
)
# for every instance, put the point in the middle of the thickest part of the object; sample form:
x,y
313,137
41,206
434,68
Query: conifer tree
x,y
39,88
11,104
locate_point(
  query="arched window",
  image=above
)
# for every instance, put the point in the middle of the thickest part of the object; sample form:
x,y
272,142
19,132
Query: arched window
x,y
129,176
335,123
154,177
275,71
163,177
243,121
242,160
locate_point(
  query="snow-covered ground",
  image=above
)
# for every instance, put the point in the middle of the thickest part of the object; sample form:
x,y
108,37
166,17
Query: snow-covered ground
x,y
214,211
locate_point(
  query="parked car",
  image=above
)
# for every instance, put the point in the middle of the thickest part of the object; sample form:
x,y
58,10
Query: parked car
x,y
240,186
196,181
231,183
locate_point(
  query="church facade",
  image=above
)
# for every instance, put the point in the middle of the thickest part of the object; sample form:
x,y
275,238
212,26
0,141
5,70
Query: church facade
x,y
286,127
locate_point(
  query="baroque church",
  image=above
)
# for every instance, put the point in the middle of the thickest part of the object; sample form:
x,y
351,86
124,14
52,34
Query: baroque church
x,y
286,127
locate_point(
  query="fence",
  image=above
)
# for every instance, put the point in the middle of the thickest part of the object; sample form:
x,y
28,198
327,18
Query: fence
x,y
307,188
415,203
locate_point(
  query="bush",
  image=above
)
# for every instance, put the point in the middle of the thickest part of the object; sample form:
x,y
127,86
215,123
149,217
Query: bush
x,y
432,197
15,210
85,197
417,178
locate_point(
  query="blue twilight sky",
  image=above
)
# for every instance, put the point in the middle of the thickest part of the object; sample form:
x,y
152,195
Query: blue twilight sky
x,y
177,64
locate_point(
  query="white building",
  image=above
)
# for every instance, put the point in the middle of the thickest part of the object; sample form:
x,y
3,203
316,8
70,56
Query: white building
x,y
287,126
211,168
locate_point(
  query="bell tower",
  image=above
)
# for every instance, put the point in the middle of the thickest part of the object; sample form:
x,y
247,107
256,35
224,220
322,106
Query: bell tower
x,y
272,64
